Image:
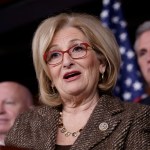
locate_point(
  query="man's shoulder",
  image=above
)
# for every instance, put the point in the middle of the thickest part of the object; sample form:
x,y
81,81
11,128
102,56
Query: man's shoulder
x,y
146,100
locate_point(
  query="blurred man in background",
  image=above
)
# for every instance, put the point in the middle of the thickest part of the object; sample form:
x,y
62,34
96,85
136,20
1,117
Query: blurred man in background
x,y
14,99
142,49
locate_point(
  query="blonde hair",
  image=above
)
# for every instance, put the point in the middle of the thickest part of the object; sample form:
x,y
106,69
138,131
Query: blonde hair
x,y
101,39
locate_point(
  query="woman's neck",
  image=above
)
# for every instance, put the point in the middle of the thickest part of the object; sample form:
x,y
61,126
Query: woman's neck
x,y
86,105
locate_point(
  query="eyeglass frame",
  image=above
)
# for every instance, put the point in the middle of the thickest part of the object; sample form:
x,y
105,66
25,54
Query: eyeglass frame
x,y
67,51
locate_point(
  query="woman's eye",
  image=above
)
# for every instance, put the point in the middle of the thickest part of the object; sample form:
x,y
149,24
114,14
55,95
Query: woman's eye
x,y
54,55
78,49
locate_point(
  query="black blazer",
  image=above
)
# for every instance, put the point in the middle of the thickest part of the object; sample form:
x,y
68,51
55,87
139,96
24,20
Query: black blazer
x,y
113,125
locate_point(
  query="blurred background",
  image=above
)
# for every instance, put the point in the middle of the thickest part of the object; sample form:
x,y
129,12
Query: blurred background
x,y
20,18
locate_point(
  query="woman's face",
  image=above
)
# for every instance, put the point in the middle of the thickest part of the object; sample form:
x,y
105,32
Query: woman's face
x,y
74,76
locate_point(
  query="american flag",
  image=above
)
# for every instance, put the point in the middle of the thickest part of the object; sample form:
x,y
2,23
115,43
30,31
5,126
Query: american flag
x,y
129,86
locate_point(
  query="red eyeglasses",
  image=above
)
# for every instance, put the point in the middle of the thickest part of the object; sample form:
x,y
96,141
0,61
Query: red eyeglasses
x,y
77,51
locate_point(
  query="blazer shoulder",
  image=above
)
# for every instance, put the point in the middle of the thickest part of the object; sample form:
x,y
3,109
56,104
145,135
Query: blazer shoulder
x,y
37,112
130,108
138,112
136,106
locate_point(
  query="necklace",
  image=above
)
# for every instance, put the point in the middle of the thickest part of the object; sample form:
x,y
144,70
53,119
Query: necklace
x,y
64,130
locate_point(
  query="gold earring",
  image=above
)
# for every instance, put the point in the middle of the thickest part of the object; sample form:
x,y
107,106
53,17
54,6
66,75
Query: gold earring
x,y
102,76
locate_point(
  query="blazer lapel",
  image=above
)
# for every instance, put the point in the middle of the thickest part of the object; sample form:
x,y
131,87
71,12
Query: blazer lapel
x,y
100,125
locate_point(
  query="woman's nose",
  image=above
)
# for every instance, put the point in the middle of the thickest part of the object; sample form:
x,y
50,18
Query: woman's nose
x,y
67,60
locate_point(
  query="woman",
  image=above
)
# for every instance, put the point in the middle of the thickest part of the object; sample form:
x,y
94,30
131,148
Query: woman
x,y
77,61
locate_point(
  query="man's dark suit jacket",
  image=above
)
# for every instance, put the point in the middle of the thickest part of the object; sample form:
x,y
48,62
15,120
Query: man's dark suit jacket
x,y
145,101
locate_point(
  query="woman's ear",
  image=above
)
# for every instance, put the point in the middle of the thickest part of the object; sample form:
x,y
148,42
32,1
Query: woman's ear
x,y
102,68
